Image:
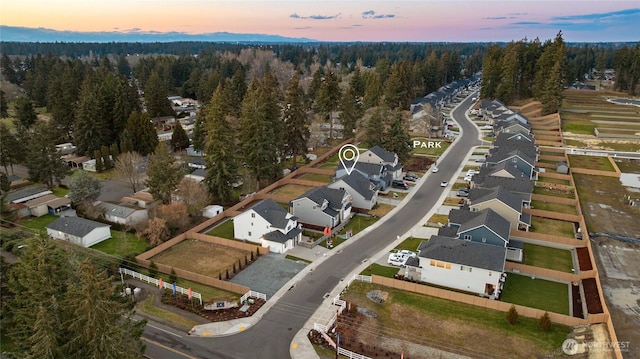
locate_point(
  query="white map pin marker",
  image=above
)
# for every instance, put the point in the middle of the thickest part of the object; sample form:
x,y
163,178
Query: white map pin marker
x,y
349,153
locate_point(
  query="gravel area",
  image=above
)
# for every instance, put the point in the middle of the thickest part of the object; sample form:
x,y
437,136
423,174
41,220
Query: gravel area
x,y
269,273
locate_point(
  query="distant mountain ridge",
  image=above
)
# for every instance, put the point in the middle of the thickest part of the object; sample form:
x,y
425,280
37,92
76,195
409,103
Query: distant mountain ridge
x,y
28,34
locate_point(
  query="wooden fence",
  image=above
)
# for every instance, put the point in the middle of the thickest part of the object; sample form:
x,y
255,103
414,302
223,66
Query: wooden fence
x,y
554,199
588,171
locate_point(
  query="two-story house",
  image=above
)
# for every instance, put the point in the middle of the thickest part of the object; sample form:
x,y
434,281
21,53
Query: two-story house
x,y
322,207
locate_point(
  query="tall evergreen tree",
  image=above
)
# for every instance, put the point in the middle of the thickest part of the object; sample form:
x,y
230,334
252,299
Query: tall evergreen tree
x,y
25,113
89,133
9,148
155,96
375,129
373,89
328,98
221,148
179,138
43,159
295,120
397,138
3,105
144,138
350,111
357,82
164,174
199,131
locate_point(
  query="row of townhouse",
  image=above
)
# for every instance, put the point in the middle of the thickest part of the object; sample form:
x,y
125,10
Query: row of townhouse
x,y
469,253
269,224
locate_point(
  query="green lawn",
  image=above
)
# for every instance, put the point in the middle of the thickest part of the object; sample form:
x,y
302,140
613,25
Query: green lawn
x,y
555,193
207,292
591,162
39,223
525,338
224,230
553,180
356,225
60,192
553,207
383,271
294,258
149,308
410,243
121,244
536,293
318,177
552,226
547,257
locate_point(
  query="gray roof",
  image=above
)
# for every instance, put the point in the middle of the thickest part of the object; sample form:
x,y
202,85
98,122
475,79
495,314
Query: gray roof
x,y
277,236
513,122
25,192
462,252
75,226
460,216
490,169
447,231
333,195
363,186
502,194
368,168
527,149
500,155
117,210
272,212
515,244
525,218
385,155
489,219
515,185
513,140
201,172
412,261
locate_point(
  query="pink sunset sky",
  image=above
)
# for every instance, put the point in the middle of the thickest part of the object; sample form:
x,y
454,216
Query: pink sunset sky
x,y
355,20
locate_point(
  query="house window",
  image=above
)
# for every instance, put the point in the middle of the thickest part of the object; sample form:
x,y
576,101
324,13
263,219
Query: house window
x,y
432,263
465,269
467,237
253,215
489,274
514,160
448,266
249,234
251,224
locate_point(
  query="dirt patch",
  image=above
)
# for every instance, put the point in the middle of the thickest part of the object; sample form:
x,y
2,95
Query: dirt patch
x,y
378,296
203,258
419,164
584,261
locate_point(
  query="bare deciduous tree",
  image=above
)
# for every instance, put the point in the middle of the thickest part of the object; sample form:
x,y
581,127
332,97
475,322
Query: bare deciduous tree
x,y
131,166
157,231
193,194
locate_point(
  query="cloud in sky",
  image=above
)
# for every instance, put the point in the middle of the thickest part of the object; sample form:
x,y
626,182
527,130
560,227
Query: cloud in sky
x,y
316,17
370,14
585,22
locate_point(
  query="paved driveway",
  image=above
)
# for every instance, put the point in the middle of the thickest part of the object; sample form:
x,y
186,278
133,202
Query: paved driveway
x,y
269,273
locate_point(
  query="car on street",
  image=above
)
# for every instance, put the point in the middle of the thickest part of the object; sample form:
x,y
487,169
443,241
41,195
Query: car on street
x,y
444,183
435,169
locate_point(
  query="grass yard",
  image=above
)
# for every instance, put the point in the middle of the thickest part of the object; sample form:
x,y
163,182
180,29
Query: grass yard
x,y
383,271
121,244
60,192
547,257
39,223
318,177
553,180
291,190
298,259
555,193
591,162
358,223
381,209
452,324
552,226
553,207
536,293
628,166
437,146
439,218
398,196
200,257
206,291
452,201
410,243
224,230
150,309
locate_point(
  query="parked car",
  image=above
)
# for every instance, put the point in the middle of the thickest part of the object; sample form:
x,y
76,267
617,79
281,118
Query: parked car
x,y
444,183
472,172
468,178
462,193
396,260
481,160
407,253
435,169
399,184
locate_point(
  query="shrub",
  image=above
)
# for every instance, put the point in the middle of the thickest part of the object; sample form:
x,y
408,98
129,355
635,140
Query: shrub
x,y
544,323
172,276
512,315
153,270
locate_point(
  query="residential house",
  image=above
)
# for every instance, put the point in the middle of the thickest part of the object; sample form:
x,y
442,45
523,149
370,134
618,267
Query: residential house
x,y
142,199
462,265
374,172
49,204
514,140
26,194
507,204
364,193
125,214
268,224
198,175
197,163
517,158
513,126
484,226
322,207
379,155
80,231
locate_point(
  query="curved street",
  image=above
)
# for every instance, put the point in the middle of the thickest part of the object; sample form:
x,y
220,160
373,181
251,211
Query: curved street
x,y
272,335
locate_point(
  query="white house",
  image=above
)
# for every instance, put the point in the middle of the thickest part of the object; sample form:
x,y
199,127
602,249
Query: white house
x,y
322,206
47,204
80,231
126,215
364,193
379,155
212,210
268,224
462,265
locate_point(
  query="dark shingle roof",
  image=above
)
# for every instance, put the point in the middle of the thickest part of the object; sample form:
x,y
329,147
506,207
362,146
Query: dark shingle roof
x,y
368,168
500,155
515,185
513,140
359,184
502,194
491,169
117,210
489,219
333,195
201,172
460,216
385,155
272,212
25,192
515,244
75,226
462,252
447,231
529,150
279,237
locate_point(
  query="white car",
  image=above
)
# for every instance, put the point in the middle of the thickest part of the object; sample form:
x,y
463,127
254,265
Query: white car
x,y
396,260
435,169
444,183
407,253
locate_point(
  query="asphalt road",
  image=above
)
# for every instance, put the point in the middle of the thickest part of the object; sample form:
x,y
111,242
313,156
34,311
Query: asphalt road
x,y
271,336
